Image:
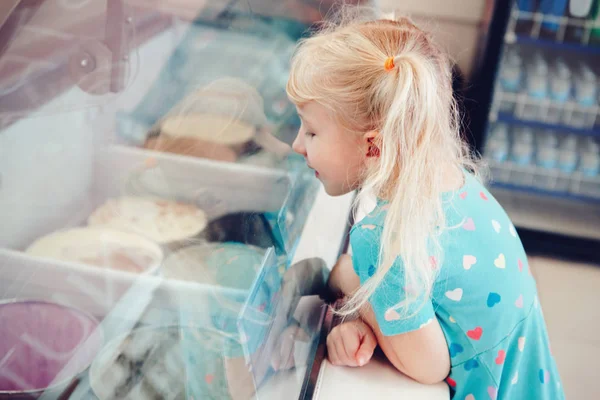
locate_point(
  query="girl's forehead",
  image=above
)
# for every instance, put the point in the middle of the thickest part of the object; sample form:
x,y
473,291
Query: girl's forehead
x,y
313,111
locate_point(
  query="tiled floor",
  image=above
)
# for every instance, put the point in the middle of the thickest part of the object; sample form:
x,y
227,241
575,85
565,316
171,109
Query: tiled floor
x,y
570,296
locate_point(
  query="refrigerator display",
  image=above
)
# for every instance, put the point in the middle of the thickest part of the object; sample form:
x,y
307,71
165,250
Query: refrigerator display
x,y
539,124
152,211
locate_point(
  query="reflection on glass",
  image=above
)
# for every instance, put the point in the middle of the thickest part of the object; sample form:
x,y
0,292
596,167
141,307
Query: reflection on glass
x,y
149,203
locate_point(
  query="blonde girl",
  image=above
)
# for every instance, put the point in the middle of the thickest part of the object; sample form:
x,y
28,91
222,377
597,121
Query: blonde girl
x,y
438,274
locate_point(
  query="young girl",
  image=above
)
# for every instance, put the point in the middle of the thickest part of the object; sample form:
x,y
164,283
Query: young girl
x,y
438,274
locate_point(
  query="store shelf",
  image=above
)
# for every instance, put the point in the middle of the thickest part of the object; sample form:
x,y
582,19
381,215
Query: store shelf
x,y
542,192
545,182
511,120
535,34
553,45
555,215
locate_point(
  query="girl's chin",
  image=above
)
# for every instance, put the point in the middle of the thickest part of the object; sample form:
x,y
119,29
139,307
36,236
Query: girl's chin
x,y
335,190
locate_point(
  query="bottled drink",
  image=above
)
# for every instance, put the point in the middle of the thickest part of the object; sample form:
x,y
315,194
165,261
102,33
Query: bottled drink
x,y
585,85
511,79
525,20
537,86
595,17
546,158
567,155
552,10
590,158
560,90
585,91
511,72
567,161
547,149
578,12
522,148
497,144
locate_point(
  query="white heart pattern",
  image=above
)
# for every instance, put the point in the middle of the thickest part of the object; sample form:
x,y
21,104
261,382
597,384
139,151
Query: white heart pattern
x,y
515,378
455,294
469,261
496,225
424,324
512,230
521,343
500,262
391,315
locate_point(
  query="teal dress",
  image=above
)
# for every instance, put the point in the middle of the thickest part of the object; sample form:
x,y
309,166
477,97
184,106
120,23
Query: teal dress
x,y
484,298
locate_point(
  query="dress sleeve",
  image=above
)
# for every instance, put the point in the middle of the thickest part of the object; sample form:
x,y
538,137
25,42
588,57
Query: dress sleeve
x,y
365,240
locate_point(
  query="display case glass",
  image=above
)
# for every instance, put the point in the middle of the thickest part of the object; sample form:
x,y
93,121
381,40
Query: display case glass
x,y
151,207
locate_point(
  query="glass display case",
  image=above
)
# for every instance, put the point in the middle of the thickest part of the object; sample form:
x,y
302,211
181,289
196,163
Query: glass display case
x,y
159,239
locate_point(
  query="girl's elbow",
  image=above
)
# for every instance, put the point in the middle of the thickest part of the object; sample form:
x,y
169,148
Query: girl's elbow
x,y
430,374
432,377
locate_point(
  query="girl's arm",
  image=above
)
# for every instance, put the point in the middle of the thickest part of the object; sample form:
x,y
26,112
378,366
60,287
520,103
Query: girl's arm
x,y
421,354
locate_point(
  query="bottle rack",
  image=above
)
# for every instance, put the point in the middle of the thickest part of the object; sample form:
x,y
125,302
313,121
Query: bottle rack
x,y
546,182
566,117
534,33
518,109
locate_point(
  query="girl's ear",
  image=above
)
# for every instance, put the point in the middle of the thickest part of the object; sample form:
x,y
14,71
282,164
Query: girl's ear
x,y
372,144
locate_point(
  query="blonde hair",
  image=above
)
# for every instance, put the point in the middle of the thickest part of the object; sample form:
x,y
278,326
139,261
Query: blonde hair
x,y
345,67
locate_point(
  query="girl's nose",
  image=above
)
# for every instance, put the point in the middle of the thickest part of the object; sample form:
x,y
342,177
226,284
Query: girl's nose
x,y
298,144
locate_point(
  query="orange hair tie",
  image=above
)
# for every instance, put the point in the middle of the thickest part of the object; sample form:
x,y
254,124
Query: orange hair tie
x,y
389,64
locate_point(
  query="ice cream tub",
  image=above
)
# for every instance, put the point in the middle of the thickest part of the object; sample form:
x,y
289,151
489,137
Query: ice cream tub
x,y
154,363
44,346
100,247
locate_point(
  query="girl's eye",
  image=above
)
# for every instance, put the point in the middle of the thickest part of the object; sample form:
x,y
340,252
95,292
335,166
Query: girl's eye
x,y
310,134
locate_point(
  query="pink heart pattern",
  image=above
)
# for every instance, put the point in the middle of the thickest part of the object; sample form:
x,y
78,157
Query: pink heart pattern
x,y
492,392
519,302
469,225
501,357
433,262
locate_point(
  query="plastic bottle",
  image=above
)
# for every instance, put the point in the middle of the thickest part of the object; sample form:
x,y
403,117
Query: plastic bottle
x,y
525,20
547,149
567,162
511,73
560,90
567,155
585,92
589,167
522,148
498,143
579,11
552,8
537,86
511,79
589,156
546,157
595,17
585,85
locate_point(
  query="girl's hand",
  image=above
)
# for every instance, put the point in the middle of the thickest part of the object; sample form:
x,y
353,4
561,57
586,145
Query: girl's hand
x,y
351,344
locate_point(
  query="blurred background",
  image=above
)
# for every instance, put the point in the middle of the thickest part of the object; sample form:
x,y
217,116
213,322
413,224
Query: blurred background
x,y
95,97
